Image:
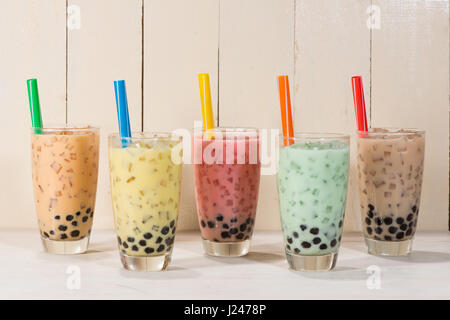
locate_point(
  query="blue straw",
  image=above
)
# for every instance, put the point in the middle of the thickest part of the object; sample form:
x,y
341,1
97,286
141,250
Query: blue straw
x,y
122,111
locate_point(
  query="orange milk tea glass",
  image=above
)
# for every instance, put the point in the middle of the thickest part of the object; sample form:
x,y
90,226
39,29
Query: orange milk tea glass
x,y
65,167
390,172
226,173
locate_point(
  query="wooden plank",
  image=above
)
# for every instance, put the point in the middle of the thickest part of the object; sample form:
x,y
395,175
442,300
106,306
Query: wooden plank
x,y
107,47
332,43
411,89
181,40
256,45
33,45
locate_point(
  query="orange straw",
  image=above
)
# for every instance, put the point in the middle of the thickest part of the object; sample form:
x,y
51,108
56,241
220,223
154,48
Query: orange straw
x,y
286,113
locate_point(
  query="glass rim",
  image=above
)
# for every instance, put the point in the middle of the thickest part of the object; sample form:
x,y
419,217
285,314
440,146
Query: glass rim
x,y
66,127
317,135
393,131
148,135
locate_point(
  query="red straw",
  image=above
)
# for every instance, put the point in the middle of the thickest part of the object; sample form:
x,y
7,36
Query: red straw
x,y
360,105
286,113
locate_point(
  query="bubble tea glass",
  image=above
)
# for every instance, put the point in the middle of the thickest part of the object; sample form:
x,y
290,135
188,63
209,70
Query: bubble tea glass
x,y
65,168
312,189
145,174
390,171
226,173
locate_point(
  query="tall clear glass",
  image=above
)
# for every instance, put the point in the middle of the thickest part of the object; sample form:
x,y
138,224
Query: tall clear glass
x,y
145,174
65,172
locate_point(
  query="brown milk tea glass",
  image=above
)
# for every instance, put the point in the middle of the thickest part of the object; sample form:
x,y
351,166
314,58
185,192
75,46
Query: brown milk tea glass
x,y
65,167
390,171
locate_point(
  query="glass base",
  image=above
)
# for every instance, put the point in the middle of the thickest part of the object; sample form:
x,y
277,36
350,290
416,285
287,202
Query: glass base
x,y
145,264
65,247
226,249
311,263
389,248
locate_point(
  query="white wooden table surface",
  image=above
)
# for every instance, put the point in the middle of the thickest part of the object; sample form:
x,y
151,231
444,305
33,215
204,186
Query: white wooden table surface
x,y
27,272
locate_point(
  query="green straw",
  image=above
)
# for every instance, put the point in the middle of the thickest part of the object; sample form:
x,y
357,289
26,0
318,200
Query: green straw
x,y
35,107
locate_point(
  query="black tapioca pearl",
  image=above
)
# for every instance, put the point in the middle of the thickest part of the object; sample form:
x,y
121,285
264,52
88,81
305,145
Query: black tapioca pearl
x,y
173,230
85,218
234,219
411,224
289,240
248,221
303,227
414,208
388,221
399,220
62,227
225,234
392,230
130,239
247,237
340,237
216,240
234,230
159,240
88,210
63,236
148,235
219,217
119,241
168,241
75,233
288,247
378,230
340,224
306,244
160,248
371,207
368,221
314,230
388,238
211,224
172,223
225,226
52,232
74,223
142,243
92,214
317,240
165,230
125,244
400,235
46,234
240,236
403,227
78,213
410,217
135,248
377,238
369,230
69,217
378,221
57,217
323,246
297,250
295,234
203,223
243,227
333,242
370,214
149,250
408,232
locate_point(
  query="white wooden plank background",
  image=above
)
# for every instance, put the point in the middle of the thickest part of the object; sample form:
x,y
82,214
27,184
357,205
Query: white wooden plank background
x,y
332,44
33,46
410,74
107,47
256,45
319,43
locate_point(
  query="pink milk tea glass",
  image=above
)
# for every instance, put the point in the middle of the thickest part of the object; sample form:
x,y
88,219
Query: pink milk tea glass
x,y
226,172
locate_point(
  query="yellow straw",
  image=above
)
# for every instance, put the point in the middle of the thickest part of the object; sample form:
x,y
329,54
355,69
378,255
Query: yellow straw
x,y
205,97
